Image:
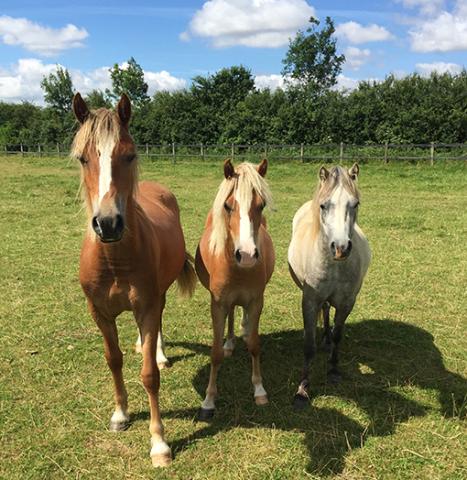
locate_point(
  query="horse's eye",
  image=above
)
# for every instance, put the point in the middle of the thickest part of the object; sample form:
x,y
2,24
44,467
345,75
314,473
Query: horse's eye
x,y
262,206
227,208
356,205
322,206
130,158
83,161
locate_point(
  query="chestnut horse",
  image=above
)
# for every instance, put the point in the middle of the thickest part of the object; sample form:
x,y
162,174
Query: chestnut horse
x,y
132,252
234,261
328,258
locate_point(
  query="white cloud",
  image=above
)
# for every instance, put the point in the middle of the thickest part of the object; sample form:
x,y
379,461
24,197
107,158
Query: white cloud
x,y
158,81
346,83
356,57
356,33
251,23
439,67
444,33
273,82
36,38
22,80
427,7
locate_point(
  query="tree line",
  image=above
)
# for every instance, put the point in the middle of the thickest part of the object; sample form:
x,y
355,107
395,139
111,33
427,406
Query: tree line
x,y
226,107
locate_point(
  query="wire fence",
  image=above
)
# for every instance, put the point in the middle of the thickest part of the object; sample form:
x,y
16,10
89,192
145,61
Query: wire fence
x,y
387,152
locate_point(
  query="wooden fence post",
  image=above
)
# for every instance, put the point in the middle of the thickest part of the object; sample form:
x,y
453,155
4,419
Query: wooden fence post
x,y
341,152
147,150
58,150
21,149
232,150
266,150
432,153
386,159
301,153
39,149
173,151
202,151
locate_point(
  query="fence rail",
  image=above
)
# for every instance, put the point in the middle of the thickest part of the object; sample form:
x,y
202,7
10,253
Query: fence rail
x,y
386,152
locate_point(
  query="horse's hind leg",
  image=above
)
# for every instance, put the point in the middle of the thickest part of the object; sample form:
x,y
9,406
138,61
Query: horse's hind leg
x,y
253,343
218,314
310,310
341,315
327,336
229,344
114,357
149,323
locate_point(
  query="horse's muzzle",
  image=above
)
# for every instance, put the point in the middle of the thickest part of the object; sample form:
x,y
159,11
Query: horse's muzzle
x,y
245,259
341,252
108,229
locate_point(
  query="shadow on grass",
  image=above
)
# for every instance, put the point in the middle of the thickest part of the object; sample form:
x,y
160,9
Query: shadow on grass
x,y
378,357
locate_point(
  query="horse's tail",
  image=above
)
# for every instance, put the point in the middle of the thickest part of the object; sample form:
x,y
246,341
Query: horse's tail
x,y
186,281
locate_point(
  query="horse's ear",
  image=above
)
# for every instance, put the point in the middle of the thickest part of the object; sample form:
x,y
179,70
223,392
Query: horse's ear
x,y
80,109
354,171
229,170
323,174
263,167
124,109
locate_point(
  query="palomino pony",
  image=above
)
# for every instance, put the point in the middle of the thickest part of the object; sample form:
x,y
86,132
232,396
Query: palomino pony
x,y
132,252
328,258
234,261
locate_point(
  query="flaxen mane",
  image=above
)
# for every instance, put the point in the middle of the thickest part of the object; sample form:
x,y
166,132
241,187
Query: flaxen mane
x,y
245,181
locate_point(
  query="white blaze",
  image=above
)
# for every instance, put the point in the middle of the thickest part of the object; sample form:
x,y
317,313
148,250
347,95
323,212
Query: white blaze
x,y
246,241
105,168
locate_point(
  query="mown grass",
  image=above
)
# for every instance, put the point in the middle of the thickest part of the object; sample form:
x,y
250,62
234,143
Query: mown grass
x,y
400,412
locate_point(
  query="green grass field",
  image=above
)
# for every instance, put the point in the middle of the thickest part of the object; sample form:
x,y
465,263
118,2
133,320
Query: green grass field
x,y
399,413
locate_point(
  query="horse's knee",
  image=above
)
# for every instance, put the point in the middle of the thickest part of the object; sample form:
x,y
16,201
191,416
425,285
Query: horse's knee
x,y
217,355
151,380
114,360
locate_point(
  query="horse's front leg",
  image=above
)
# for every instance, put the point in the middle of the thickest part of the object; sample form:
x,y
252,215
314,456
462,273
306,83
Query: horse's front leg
x,y
161,359
340,317
218,314
114,357
310,310
149,324
253,342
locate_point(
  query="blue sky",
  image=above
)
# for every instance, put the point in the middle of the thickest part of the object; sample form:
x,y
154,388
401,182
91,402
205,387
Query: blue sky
x,y
176,40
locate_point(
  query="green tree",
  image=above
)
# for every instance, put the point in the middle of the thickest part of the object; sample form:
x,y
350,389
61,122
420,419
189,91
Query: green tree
x,y
312,58
130,80
58,90
97,99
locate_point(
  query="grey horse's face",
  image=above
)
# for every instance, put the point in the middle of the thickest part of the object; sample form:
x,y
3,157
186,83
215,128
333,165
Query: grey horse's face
x,y
338,216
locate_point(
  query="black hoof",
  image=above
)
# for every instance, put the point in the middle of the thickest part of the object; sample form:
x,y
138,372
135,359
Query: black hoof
x,y
334,377
205,414
118,426
300,402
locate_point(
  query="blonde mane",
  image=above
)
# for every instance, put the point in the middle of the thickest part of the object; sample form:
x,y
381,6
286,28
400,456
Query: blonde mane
x,y
337,176
245,181
101,128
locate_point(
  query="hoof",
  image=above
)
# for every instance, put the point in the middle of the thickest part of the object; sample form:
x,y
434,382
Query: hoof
x,y
334,377
227,352
118,426
161,459
164,365
261,400
205,414
300,402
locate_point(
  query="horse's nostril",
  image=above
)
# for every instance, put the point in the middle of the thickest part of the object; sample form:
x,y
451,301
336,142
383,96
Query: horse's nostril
x,y
95,224
256,253
349,246
238,255
119,223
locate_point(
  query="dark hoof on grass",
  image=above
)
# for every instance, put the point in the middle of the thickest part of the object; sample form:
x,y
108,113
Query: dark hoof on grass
x,y
205,414
118,426
334,377
300,402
